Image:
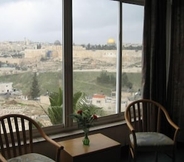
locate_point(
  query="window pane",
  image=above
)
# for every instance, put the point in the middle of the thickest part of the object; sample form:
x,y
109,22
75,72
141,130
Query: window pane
x,y
30,57
94,52
132,53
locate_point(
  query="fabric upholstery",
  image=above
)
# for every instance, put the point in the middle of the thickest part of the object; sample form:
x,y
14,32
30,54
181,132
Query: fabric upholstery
x,y
31,157
151,139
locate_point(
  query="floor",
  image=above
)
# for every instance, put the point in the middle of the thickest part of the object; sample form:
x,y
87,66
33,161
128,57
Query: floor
x,y
149,157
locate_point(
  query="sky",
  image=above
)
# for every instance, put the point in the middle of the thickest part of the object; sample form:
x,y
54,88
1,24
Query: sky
x,y
94,21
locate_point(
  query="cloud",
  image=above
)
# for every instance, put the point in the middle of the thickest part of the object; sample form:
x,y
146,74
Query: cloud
x,y
133,23
94,21
31,19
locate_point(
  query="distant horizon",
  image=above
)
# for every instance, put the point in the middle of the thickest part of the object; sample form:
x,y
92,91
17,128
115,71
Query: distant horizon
x,y
61,42
41,20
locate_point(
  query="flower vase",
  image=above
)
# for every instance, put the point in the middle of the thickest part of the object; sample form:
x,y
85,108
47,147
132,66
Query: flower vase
x,y
86,140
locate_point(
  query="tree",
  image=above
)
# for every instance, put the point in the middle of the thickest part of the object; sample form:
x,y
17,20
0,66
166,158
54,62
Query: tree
x,y
80,102
125,81
106,78
34,92
55,111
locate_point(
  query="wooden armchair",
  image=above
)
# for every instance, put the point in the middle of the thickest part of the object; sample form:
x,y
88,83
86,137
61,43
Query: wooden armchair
x,y
16,139
143,118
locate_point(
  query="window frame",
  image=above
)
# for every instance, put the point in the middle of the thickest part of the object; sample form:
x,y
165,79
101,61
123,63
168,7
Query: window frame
x,y
136,2
67,65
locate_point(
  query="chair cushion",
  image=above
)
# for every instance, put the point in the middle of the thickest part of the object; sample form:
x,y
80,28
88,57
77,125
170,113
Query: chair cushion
x,y
152,139
31,157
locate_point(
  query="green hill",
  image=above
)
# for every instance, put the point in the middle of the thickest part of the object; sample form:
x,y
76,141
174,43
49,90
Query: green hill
x,y
50,81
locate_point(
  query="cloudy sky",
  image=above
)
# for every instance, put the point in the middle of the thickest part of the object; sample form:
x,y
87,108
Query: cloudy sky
x,y
94,21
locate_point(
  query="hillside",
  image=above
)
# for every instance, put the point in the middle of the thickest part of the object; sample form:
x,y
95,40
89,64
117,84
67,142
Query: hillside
x,y
50,81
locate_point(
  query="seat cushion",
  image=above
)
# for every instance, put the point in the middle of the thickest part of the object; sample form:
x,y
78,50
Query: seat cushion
x,y
31,157
151,139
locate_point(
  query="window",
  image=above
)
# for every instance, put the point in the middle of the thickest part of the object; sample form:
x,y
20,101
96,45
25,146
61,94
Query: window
x,y
40,58
30,56
132,28
94,51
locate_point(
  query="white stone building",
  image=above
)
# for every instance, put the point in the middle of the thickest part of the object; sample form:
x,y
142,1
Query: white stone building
x,y
6,88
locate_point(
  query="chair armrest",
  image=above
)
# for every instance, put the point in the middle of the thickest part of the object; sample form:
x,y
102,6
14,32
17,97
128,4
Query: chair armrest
x,y
57,145
129,126
170,120
128,122
2,159
132,130
175,127
53,142
172,123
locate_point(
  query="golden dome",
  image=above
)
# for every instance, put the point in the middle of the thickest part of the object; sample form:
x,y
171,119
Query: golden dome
x,y
110,41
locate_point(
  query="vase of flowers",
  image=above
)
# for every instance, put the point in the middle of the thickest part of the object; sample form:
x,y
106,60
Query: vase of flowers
x,y
85,119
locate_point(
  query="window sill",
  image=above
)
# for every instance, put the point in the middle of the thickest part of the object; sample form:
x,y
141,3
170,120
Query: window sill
x,y
79,132
117,131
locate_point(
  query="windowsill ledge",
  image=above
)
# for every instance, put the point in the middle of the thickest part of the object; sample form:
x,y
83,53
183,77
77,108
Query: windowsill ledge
x,y
79,132
116,130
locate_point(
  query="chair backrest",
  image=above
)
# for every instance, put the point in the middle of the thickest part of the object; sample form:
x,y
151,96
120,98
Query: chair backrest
x,y
17,134
145,115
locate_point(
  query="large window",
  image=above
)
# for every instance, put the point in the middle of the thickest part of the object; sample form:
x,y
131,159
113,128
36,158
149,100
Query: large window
x,y
30,56
57,48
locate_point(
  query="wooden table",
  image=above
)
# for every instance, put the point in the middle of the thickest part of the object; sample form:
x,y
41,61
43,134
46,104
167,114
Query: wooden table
x,y
101,149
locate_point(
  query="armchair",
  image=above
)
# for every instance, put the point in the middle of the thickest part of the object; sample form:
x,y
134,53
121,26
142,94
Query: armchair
x,y
143,118
16,139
